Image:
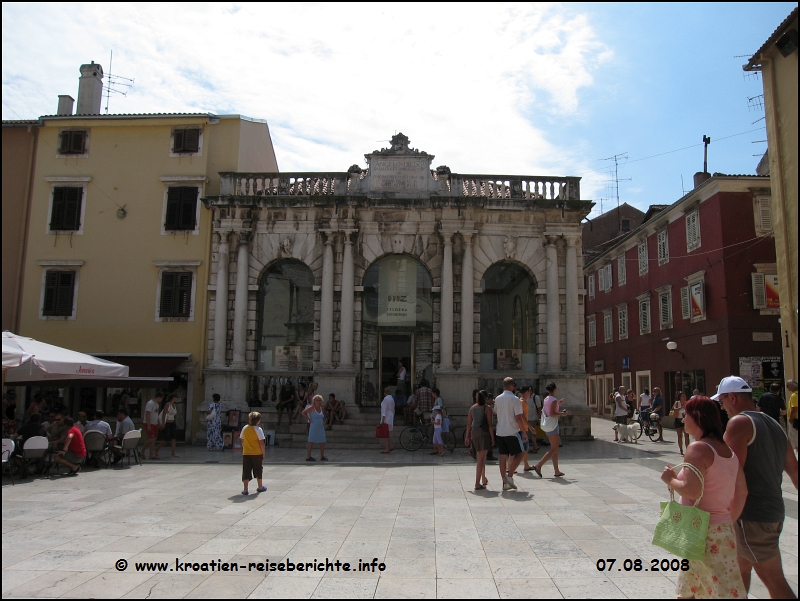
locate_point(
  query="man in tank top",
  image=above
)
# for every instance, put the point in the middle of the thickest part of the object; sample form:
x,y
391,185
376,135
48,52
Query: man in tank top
x,y
764,452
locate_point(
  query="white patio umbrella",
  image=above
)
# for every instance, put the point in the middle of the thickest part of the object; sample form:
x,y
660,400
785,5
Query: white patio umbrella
x,y
13,356
49,362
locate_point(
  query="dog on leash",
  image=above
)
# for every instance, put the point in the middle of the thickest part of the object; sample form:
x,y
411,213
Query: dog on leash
x,y
626,433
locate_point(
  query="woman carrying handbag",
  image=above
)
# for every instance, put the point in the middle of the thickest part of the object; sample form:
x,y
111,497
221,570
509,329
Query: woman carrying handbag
x,y
716,478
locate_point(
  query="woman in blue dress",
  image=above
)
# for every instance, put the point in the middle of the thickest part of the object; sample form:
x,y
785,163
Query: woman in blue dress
x,y
214,432
316,431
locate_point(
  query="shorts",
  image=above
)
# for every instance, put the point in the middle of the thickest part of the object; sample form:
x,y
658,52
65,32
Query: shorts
x,y
621,419
251,467
509,445
678,422
73,458
169,432
151,430
553,432
757,541
481,441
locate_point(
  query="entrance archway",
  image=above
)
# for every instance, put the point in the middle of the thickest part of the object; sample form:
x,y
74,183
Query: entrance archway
x,y
396,325
508,320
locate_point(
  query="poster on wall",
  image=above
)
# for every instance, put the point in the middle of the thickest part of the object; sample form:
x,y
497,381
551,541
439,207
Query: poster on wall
x,y
288,357
760,371
397,293
507,359
696,298
771,290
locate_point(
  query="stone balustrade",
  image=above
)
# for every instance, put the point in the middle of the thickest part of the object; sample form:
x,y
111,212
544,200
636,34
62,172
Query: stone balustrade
x,y
514,187
283,184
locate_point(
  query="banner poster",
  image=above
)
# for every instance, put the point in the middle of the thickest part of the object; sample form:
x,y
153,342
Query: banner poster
x,y
288,357
771,292
397,293
696,296
758,371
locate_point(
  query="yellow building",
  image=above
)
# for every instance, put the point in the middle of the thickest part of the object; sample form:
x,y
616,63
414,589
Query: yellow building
x,y
777,61
119,244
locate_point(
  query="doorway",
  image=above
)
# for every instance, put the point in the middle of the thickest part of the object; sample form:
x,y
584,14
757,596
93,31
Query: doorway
x,y
395,348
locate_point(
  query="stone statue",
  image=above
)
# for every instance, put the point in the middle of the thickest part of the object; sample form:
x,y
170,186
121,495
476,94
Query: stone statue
x,y
510,246
286,246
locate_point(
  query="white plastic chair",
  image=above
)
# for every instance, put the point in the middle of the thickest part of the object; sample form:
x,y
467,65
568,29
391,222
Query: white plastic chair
x,y
130,442
34,449
96,445
8,451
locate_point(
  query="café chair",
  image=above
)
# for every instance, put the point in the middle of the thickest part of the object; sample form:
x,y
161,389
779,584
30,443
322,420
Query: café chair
x,y
130,443
96,446
8,451
34,449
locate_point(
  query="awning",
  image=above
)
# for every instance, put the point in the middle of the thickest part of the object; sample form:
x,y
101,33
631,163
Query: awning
x,y
148,366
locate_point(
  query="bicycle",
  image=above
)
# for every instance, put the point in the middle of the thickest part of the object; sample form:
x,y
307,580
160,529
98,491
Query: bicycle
x,y
646,425
413,437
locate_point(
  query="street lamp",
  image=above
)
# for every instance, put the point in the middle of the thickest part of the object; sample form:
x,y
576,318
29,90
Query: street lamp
x,y
672,346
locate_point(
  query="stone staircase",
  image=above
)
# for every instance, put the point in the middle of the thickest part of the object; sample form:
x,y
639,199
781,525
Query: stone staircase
x,y
357,431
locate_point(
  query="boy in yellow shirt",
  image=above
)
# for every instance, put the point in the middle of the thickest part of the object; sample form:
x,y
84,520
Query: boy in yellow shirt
x,y
252,452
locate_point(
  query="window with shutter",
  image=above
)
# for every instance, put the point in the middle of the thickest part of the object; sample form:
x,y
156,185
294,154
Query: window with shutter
x,y
759,291
643,257
763,215
592,332
623,322
181,208
692,230
609,279
176,290
186,141
686,310
601,278
665,309
663,247
644,317
608,327
59,289
591,286
72,142
66,211
622,276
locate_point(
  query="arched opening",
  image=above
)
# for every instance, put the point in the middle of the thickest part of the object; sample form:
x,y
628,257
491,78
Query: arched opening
x,y
508,320
396,325
285,339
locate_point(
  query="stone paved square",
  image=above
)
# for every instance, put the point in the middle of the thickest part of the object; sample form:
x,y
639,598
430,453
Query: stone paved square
x,y
417,514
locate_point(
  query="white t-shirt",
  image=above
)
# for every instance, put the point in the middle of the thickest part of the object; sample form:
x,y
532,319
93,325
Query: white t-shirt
x,y
645,398
507,407
620,412
153,407
402,374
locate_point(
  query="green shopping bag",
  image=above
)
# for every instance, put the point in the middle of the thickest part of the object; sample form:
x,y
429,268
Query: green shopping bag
x,y
682,529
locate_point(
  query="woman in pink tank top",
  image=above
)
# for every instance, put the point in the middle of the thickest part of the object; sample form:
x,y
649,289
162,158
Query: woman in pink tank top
x,y
724,491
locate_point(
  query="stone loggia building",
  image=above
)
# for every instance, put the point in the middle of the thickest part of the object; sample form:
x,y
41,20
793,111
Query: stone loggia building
x,y
340,277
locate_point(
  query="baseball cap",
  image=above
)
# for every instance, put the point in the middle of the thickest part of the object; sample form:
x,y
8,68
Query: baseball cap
x,y
731,384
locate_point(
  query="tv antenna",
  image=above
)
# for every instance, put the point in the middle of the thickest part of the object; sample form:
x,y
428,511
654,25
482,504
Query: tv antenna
x,y
623,156
116,84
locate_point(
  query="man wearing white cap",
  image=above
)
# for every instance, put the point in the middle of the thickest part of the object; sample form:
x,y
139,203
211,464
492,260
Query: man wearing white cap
x,y
764,453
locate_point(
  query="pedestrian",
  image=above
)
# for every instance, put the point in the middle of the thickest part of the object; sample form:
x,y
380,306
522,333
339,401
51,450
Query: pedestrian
x,y
167,420
620,411
525,394
423,400
214,427
387,416
678,412
771,403
724,490
791,407
436,420
287,399
659,408
302,401
764,453
253,452
479,436
511,433
74,451
402,375
644,402
151,412
551,410
316,432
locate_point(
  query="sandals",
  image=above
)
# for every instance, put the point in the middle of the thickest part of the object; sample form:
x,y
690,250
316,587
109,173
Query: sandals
x,y
559,474
262,489
323,458
480,487
310,459
537,470
529,469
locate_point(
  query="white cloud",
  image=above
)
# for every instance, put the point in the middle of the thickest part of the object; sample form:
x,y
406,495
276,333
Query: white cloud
x,y
472,84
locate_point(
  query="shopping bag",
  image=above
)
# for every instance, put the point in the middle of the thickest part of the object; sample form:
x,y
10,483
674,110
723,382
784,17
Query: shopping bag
x,y
682,529
382,431
445,425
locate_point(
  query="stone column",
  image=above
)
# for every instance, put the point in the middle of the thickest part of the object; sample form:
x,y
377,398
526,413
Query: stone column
x,y
221,311
467,305
553,306
240,303
573,315
348,292
326,312
446,313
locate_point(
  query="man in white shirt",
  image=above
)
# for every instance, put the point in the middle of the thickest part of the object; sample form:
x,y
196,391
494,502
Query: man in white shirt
x,y
151,411
124,425
511,433
621,410
100,425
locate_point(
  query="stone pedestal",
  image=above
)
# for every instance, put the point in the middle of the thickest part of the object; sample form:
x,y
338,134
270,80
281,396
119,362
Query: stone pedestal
x,y
231,386
341,383
456,390
571,388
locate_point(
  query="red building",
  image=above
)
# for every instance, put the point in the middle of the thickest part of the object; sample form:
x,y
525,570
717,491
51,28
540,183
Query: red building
x,y
688,297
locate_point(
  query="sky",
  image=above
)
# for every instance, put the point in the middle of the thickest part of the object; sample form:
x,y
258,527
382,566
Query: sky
x,y
523,89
